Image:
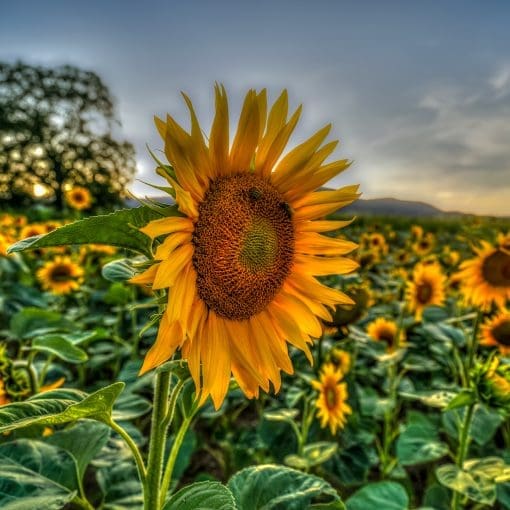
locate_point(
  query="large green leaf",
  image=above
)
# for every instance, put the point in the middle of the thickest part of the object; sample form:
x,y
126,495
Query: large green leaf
x,y
120,486
35,475
31,322
272,487
202,496
60,347
60,406
313,455
419,442
82,441
119,228
379,496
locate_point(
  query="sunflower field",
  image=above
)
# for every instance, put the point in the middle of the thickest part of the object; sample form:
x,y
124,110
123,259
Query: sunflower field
x,y
251,346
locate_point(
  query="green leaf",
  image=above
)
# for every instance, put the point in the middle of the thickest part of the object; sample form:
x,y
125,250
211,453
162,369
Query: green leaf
x,y
419,442
202,496
378,496
274,487
119,228
31,322
464,398
34,473
476,487
439,398
82,441
130,406
60,347
120,486
313,455
286,415
119,270
60,406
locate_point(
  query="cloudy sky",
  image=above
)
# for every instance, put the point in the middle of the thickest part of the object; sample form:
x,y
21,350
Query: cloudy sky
x,y
418,92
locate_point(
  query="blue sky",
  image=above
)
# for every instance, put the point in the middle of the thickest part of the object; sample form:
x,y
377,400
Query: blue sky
x,y
418,92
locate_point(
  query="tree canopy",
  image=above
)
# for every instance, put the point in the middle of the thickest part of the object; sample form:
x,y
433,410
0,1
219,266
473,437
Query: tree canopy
x,y
57,131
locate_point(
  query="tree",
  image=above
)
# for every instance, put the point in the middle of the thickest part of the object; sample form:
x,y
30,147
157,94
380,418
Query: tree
x,y
56,132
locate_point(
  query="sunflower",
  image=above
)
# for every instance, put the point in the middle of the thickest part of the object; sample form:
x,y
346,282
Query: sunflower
x,y
486,278
375,242
384,330
424,244
60,275
332,402
4,244
32,229
426,289
496,332
79,198
342,359
416,231
242,259
4,398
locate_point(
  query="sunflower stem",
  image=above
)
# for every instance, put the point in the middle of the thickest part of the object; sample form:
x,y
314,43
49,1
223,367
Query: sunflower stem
x,y
159,429
466,424
463,449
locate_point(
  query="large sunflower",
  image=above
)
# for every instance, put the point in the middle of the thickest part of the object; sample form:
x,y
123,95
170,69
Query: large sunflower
x,y
426,288
496,332
242,259
332,401
60,275
486,278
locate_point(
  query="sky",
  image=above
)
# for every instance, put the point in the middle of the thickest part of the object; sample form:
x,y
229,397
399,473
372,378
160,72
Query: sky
x,y
418,92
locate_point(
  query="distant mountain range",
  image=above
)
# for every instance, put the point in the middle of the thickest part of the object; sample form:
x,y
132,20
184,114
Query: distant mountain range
x,y
374,206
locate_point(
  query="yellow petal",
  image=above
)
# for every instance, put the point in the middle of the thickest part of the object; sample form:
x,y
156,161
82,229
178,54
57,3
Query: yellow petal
x,y
166,226
219,136
168,339
215,354
321,266
322,226
316,244
298,157
171,267
146,277
247,135
174,240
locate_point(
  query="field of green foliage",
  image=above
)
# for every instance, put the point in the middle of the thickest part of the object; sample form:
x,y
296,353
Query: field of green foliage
x,y
406,404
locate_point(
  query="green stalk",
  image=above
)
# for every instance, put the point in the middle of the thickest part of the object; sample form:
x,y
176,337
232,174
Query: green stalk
x,y
157,441
174,452
466,424
142,472
463,449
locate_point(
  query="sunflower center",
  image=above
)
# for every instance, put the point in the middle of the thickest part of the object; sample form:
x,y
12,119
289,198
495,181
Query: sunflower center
x,y
60,274
386,336
502,333
496,269
330,396
424,293
244,245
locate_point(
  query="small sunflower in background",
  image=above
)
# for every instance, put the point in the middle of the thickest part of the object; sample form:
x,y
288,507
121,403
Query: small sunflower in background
x,y
416,232
375,243
486,278
384,330
332,401
496,332
32,229
78,198
5,242
241,261
424,245
60,275
427,288
4,398
342,359
449,257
